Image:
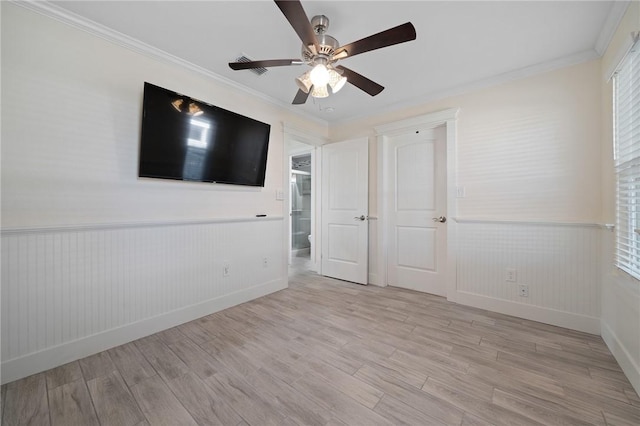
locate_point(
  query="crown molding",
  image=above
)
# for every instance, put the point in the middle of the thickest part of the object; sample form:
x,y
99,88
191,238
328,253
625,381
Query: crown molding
x,y
567,61
616,13
60,14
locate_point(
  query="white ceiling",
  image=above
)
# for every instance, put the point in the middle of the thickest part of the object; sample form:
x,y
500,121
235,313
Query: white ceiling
x,y
459,45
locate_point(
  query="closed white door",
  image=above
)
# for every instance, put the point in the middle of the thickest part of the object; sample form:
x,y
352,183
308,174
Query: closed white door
x,y
345,201
417,194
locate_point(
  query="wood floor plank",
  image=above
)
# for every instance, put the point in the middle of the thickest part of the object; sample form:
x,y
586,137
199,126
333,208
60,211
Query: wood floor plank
x,y
235,359
598,402
171,335
415,398
360,391
159,405
244,400
471,420
391,367
497,375
204,405
97,365
287,371
284,398
64,374
131,364
113,402
468,403
614,420
400,413
195,332
633,397
26,402
70,404
342,406
336,359
195,358
430,362
162,359
555,415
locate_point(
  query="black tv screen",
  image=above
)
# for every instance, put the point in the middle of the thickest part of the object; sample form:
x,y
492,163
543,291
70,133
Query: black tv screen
x,y
187,139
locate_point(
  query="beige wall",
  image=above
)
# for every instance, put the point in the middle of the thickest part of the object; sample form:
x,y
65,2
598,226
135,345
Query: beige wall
x,y
527,149
70,138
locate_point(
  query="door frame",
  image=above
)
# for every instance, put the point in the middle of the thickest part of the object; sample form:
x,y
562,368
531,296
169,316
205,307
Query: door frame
x,y
291,136
430,121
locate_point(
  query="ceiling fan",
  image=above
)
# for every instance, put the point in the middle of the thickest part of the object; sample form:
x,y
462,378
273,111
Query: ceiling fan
x,y
321,52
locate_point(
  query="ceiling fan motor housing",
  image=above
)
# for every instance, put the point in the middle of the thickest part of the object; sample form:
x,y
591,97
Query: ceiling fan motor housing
x,y
320,24
326,44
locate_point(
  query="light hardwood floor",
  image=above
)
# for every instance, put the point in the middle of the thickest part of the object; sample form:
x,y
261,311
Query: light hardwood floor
x,y
326,352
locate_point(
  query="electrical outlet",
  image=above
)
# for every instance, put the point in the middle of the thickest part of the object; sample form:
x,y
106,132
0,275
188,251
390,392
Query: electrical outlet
x,y
511,275
279,194
226,269
265,262
523,290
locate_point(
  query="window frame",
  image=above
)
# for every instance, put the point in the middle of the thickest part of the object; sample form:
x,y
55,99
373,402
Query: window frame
x,y
626,150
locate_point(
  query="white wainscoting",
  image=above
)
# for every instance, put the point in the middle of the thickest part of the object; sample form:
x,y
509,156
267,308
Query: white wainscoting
x,y
620,312
560,263
70,292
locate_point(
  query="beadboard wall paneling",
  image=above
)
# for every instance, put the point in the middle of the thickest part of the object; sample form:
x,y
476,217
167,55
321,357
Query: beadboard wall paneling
x,y
560,264
620,312
61,286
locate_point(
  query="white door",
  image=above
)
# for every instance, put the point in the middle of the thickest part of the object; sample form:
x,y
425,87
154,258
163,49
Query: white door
x,y
417,194
345,202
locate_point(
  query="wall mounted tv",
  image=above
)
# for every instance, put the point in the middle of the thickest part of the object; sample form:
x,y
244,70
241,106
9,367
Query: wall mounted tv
x,y
187,139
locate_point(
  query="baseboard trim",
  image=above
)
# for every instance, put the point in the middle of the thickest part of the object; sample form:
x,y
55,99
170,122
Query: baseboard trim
x,y
550,316
619,351
18,368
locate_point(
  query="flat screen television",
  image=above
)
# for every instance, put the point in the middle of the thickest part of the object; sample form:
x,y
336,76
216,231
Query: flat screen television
x,y
187,139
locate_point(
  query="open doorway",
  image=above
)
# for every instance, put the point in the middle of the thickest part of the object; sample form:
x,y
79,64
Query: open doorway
x,y
301,207
301,202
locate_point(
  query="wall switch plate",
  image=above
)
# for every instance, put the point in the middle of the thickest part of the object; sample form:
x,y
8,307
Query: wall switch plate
x,y
279,194
460,191
226,269
523,290
511,275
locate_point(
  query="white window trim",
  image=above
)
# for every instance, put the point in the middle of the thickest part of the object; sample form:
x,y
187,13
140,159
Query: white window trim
x,y
626,138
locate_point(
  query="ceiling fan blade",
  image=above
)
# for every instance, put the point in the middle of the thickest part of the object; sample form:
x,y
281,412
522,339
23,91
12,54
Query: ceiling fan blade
x,y
360,81
295,14
264,64
396,35
301,97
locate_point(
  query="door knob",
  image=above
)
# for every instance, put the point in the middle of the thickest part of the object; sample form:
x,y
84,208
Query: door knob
x,y
362,217
440,219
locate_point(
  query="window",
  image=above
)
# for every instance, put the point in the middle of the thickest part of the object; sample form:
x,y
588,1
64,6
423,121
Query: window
x,y
626,127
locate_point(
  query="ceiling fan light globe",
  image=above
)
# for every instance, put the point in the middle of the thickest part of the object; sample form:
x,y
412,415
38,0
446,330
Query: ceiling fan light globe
x,y
320,91
320,75
304,82
336,81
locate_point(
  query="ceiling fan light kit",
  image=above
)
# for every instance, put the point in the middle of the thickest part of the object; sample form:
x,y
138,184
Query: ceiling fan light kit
x,y
321,51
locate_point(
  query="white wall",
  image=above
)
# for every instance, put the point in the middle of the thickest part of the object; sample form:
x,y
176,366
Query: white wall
x,y
528,155
92,255
620,292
